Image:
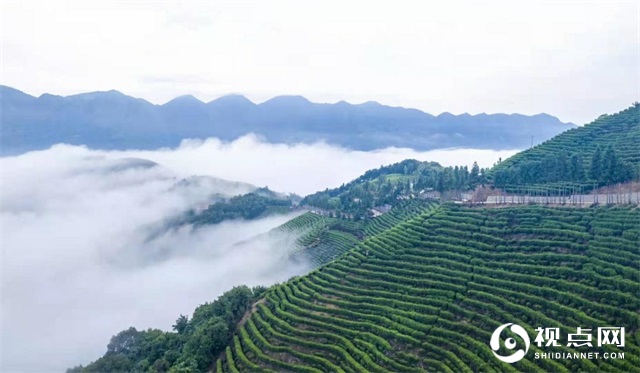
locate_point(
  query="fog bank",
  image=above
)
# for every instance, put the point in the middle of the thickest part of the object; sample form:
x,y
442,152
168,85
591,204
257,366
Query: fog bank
x,y
301,168
86,252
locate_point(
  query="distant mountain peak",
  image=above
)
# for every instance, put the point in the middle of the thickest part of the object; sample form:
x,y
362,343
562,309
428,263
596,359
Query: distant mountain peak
x,y
445,114
287,100
98,94
184,99
230,100
545,116
371,103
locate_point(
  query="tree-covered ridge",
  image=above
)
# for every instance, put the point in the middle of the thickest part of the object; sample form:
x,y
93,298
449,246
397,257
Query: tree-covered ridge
x,y
192,345
427,294
389,184
247,206
600,153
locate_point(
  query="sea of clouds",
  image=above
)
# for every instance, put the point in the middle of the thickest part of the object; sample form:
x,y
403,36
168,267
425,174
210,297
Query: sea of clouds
x,y
86,251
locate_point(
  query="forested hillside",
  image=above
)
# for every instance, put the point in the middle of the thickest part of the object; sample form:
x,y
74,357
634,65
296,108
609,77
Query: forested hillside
x,y
189,348
389,184
259,203
600,153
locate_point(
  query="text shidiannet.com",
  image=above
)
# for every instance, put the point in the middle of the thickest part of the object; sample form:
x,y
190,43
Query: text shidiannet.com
x,y
613,336
578,355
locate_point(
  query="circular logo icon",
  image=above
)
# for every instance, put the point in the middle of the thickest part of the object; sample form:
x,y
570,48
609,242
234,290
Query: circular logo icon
x,y
510,343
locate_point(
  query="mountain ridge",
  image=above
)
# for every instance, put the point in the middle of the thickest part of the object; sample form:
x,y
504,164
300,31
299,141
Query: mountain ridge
x,y
242,97
114,120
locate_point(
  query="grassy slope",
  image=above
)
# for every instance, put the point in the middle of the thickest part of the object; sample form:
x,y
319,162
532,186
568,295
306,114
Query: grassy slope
x,y
427,294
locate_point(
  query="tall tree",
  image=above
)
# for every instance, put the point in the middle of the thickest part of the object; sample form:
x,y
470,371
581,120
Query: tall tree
x,y
181,324
562,171
440,182
609,165
474,175
595,171
576,169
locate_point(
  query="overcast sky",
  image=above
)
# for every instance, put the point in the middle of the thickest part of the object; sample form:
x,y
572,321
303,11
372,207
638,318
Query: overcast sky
x,y
574,59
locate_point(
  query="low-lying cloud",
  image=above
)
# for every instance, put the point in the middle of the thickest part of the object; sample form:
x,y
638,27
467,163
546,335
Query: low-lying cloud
x,y
85,251
301,168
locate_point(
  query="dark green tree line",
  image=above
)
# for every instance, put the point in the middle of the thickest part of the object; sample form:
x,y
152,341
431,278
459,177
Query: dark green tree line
x,y
191,347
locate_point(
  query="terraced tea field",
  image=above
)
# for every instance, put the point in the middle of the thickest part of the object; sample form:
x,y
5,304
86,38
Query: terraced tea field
x,y
427,293
403,211
576,161
323,239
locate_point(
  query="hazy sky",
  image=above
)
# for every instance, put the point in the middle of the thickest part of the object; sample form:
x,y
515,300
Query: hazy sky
x,y
574,59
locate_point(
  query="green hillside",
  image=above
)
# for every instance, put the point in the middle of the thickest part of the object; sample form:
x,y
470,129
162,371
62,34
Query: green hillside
x,y
401,212
600,153
427,294
195,343
423,295
322,238
422,287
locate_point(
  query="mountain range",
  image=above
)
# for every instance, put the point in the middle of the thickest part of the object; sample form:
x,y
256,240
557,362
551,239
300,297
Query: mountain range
x,y
113,120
